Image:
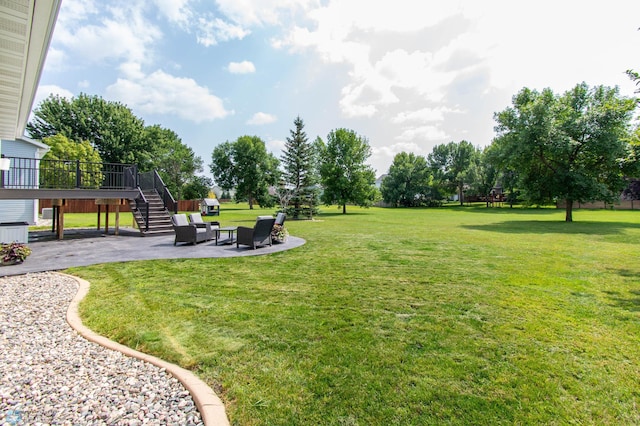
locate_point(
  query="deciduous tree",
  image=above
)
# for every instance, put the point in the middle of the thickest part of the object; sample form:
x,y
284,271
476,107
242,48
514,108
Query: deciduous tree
x,y
175,162
72,163
408,181
246,166
197,188
345,176
110,127
569,147
450,164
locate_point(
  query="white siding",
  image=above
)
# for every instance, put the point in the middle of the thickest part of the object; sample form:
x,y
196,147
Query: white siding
x,y
18,210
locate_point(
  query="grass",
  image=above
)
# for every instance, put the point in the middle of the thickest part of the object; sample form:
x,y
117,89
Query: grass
x,y
400,316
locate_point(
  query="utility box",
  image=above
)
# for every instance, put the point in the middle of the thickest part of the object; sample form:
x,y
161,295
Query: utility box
x,y
47,213
14,231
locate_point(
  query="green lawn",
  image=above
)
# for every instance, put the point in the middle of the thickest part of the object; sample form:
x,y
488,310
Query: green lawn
x,y
401,316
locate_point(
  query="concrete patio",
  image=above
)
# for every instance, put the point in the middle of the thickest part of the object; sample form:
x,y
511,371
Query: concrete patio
x,y
83,247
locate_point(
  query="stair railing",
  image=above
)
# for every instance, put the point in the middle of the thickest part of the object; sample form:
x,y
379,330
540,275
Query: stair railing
x,y
167,199
152,180
142,205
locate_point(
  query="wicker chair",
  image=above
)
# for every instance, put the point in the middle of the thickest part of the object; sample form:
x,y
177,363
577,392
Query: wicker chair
x,y
187,232
211,227
259,235
280,218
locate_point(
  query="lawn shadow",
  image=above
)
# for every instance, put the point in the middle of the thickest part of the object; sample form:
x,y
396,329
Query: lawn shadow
x,y
507,210
630,303
555,227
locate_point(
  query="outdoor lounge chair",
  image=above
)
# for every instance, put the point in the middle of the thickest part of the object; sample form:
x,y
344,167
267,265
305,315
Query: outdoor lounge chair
x,y
188,232
259,235
211,227
280,218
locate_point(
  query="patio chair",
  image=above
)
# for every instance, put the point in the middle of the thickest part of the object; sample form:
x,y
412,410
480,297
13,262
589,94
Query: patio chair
x,y
259,235
280,218
187,232
211,227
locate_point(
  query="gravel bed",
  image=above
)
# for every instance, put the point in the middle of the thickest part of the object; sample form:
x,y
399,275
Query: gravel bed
x,y
53,376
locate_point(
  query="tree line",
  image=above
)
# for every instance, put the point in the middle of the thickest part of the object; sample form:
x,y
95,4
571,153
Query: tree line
x,y
93,130
576,146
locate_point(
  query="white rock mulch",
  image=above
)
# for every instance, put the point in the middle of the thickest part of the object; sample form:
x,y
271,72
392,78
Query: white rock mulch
x,y
52,375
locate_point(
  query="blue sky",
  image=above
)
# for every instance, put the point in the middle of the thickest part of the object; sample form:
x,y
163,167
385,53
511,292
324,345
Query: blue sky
x,y
405,74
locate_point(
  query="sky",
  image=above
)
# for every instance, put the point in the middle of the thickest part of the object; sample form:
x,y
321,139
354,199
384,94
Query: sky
x,y
406,75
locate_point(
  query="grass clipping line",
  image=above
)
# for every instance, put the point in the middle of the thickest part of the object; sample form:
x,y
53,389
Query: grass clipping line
x,y
209,404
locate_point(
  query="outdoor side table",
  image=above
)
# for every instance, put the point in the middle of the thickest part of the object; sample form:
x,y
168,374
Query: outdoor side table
x,y
230,230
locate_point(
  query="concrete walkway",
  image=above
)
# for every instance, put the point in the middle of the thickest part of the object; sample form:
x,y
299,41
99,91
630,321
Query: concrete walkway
x,y
83,247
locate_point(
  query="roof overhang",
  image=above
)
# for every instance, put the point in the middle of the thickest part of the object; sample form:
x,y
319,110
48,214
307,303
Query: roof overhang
x,y
26,28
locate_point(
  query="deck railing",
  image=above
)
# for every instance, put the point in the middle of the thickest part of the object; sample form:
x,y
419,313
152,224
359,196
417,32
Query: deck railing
x,y
31,173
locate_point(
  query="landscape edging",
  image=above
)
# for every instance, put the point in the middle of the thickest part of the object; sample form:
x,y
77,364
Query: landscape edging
x,y
209,404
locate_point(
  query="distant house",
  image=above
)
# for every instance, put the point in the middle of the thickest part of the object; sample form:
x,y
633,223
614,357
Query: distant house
x,y
378,182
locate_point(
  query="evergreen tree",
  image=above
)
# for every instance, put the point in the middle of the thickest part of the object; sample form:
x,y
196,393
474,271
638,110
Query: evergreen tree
x,y
300,176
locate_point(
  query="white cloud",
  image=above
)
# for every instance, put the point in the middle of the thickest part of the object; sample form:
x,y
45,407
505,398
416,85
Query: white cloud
x,y
276,146
122,34
382,157
264,12
244,67
213,31
424,133
176,11
162,93
56,59
423,115
84,84
75,10
260,118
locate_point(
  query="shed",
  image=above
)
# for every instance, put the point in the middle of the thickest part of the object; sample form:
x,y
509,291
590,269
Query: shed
x,y
210,207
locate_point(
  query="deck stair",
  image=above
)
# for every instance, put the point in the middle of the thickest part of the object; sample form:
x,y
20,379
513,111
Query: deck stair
x,y
159,216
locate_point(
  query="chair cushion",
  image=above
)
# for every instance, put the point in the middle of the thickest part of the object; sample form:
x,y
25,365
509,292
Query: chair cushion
x,y
195,218
180,219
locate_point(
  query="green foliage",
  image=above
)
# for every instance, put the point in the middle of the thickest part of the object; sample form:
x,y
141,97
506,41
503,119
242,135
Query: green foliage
x,y
175,162
110,127
483,173
408,181
300,175
635,77
451,167
246,166
568,147
197,188
345,176
400,317
65,159
14,252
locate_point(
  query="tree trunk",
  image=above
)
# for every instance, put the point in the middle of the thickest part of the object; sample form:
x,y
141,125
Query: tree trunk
x,y
569,211
250,203
344,208
461,194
